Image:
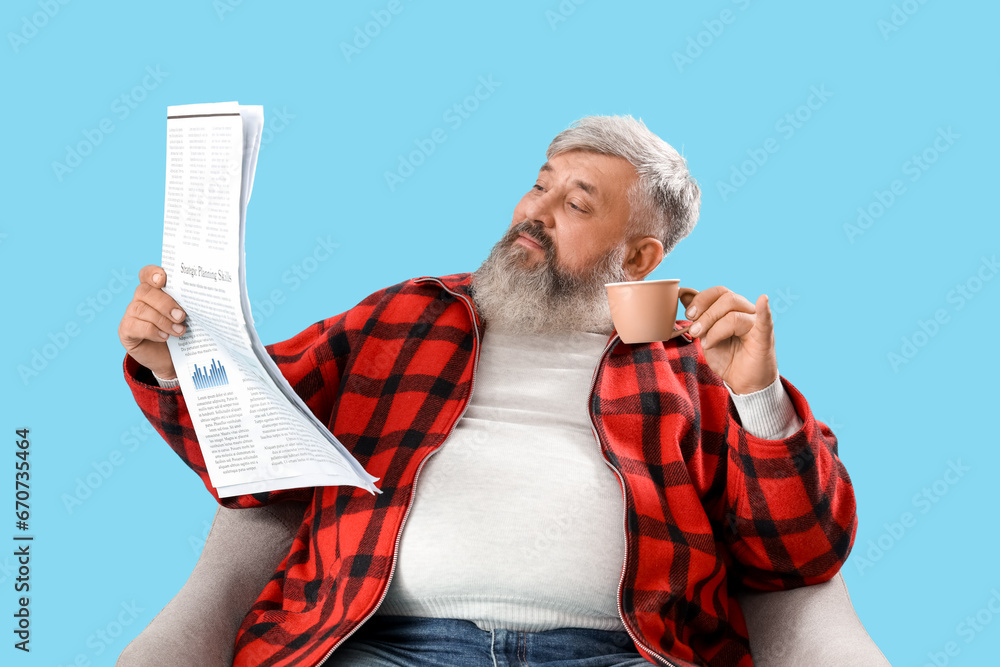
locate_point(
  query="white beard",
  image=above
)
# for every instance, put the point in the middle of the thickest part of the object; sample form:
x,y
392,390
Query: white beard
x,y
518,297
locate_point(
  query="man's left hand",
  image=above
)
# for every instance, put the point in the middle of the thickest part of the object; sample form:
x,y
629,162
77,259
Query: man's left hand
x,y
736,337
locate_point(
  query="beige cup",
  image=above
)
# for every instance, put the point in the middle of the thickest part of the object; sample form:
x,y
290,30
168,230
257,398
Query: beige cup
x,y
645,311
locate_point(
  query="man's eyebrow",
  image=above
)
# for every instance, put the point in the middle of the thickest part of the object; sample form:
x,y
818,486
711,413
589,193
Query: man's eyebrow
x,y
583,185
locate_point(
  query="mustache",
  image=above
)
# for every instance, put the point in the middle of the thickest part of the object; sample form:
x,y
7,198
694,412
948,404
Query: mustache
x,y
534,230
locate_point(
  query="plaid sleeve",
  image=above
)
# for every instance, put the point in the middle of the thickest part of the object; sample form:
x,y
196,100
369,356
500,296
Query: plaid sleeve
x,y
790,510
312,362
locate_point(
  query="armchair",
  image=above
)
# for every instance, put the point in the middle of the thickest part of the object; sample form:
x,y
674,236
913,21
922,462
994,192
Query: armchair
x,y
815,626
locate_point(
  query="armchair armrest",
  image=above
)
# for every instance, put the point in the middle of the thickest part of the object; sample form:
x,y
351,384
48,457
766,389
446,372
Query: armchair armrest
x,y
814,625
198,626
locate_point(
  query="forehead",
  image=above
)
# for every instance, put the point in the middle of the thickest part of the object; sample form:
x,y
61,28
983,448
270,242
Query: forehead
x,y
604,177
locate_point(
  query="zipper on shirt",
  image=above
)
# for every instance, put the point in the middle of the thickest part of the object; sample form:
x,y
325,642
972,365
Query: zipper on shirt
x,y
413,493
621,480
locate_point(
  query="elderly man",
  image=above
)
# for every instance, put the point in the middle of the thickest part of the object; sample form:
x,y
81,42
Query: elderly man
x,y
566,497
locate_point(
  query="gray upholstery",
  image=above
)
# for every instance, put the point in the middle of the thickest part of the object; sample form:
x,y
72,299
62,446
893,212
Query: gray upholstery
x,y
814,626
198,626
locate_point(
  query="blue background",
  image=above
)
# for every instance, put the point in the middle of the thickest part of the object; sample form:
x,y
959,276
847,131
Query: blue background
x,y
844,301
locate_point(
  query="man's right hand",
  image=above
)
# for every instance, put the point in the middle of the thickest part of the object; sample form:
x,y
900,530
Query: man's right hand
x,y
149,320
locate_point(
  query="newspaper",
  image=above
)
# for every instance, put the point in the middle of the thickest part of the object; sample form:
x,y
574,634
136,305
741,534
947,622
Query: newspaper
x,y
255,432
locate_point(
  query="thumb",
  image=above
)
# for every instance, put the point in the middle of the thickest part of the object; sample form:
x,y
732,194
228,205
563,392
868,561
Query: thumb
x,y
764,322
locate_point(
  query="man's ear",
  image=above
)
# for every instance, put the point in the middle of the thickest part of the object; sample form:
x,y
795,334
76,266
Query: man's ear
x,y
644,255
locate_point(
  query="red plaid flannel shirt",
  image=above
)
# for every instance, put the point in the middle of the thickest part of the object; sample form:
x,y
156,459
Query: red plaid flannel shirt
x,y
708,506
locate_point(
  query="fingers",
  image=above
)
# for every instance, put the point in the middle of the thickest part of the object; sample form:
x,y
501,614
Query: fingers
x,y
700,302
712,305
732,324
738,323
145,321
153,275
687,298
764,320
160,301
153,314
135,331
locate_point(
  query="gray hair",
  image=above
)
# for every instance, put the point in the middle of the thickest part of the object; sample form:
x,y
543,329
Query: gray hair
x,y
665,200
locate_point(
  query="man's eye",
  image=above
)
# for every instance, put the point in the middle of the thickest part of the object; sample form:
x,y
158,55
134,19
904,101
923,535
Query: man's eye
x,y
537,186
577,207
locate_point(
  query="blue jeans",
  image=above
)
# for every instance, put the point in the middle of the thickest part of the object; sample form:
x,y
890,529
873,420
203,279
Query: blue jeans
x,y
406,641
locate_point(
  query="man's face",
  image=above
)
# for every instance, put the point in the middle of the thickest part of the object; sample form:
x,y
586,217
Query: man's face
x,y
566,240
578,207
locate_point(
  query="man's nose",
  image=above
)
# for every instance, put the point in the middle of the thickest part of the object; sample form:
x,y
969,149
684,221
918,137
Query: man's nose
x,y
541,209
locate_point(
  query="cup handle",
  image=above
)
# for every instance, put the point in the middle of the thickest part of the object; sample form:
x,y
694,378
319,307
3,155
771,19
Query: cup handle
x,y
681,293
